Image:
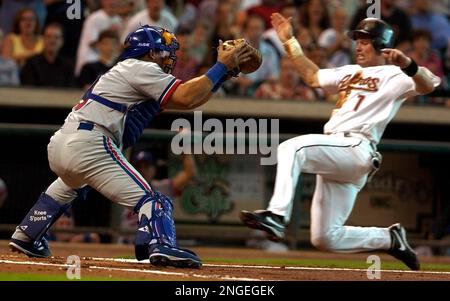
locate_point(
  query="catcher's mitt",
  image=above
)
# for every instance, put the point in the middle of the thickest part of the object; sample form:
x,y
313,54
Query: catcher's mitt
x,y
251,65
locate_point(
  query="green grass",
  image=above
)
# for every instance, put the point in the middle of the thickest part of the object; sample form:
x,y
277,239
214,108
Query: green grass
x,y
329,263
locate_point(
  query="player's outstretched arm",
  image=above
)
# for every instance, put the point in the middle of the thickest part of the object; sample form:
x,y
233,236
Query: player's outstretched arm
x,y
304,66
424,79
197,91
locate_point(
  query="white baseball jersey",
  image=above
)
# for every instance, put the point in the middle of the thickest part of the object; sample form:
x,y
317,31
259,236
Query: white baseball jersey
x,y
368,97
128,83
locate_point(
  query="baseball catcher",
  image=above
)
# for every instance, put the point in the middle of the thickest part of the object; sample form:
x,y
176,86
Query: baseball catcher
x,y
110,117
370,94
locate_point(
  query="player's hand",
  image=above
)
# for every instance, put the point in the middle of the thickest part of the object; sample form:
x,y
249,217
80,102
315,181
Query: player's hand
x,y
232,57
282,26
396,57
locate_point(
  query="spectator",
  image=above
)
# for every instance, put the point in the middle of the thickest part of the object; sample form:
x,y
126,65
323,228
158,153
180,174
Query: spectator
x,y
126,10
393,15
198,41
25,40
155,15
314,17
108,47
447,66
423,54
318,55
207,11
57,13
270,35
186,66
9,73
49,69
288,86
439,26
9,9
225,27
188,14
265,9
335,40
270,67
100,20
305,37
146,165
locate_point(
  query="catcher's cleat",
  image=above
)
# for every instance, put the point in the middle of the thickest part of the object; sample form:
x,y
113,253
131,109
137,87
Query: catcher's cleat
x,y
266,221
400,248
164,255
37,249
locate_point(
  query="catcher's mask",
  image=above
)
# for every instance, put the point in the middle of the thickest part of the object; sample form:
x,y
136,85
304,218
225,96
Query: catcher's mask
x,y
152,38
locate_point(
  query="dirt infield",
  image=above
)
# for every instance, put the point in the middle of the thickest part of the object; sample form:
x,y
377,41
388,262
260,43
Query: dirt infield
x,y
102,261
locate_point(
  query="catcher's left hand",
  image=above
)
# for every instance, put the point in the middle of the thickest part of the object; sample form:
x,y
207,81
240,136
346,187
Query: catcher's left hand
x,y
250,59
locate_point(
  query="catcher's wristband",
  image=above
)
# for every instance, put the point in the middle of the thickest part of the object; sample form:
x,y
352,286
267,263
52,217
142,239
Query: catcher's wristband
x,y
219,84
215,73
293,48
412,69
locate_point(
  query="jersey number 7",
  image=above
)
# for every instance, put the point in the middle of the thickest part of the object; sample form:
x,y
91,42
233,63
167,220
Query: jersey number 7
x,y
360,100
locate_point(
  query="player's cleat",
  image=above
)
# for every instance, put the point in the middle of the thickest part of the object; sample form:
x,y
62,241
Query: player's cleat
x,y
264,220
38,249
164,255
400,248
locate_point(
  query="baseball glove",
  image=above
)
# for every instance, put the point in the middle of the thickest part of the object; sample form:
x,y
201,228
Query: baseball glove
x,y
256,58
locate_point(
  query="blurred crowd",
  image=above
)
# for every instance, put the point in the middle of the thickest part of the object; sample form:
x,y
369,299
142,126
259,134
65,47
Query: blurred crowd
x,y
42,45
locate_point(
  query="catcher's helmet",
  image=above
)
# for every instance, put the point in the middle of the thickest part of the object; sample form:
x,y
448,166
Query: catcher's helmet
x,y
380,32
147,38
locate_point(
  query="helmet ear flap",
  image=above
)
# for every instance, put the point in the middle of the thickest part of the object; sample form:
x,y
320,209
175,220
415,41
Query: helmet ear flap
x,y
377,45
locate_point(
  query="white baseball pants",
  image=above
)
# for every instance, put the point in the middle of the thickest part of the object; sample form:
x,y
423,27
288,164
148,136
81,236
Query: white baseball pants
x,y
81,157
341,164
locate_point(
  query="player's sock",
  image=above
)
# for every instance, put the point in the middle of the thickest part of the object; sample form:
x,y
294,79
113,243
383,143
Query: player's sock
x,y
19,235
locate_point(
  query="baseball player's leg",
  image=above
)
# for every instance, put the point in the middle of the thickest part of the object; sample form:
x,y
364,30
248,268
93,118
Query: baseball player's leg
x,y
106,170
51,204
331,205
341,158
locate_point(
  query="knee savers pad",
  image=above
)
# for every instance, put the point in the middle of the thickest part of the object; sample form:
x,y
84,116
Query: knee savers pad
x,y
156,224
42,216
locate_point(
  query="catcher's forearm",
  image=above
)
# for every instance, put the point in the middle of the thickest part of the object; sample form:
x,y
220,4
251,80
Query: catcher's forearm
x,y
304,66
191,94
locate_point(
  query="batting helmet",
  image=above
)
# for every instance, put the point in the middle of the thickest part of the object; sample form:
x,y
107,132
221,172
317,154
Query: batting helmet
x,y
151,38
380,32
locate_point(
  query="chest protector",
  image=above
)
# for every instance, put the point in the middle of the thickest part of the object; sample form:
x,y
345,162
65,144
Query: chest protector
x,y
137,117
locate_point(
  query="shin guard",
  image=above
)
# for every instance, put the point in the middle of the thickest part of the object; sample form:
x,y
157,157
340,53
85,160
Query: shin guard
x,y
156,224
41,217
